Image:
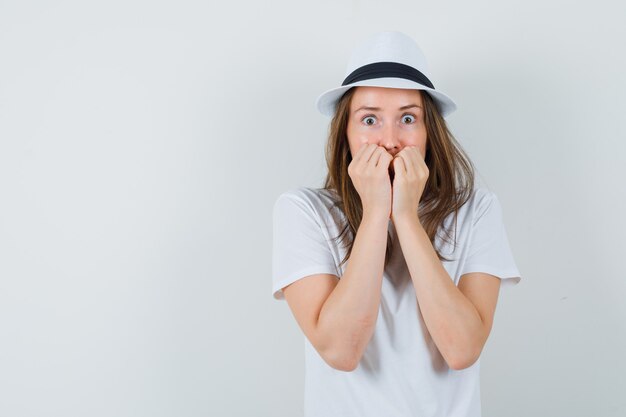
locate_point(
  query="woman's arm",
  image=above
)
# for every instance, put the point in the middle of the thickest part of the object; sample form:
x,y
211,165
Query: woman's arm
x,y
348,317
452,320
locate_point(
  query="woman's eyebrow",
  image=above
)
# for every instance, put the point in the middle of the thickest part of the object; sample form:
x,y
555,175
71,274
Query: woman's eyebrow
x,y
408,106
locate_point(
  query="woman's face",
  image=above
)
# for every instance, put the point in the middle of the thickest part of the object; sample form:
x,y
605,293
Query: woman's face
x,y
389,117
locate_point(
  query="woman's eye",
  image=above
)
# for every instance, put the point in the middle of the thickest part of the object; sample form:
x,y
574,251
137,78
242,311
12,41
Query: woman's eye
x,y
410,118
366,118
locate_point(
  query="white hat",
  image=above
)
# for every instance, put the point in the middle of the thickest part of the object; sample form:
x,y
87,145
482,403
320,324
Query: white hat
x,y
387,59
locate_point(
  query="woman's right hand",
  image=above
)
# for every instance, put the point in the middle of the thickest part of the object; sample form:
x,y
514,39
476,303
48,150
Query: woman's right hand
x,y
369,171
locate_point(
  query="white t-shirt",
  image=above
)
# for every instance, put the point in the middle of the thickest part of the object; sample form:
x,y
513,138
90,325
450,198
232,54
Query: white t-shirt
x,y
401,373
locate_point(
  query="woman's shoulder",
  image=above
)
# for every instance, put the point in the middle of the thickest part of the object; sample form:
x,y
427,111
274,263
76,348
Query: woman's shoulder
x,y
477,203
481,195
308,193
316,199
480,200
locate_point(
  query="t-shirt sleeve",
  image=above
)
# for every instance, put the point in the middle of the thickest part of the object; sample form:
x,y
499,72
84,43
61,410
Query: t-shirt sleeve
x,y
299,245
489,249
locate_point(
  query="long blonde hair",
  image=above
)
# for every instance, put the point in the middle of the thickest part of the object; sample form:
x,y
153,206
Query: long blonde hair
x,y
450,181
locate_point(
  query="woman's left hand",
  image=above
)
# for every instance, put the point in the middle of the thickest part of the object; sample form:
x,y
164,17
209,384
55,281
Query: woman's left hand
x,y
410,175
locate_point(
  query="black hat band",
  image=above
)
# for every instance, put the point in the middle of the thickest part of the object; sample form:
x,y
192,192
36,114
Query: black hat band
x,y
387,69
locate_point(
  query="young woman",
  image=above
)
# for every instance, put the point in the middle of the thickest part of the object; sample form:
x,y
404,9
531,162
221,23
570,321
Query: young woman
x,y
393,269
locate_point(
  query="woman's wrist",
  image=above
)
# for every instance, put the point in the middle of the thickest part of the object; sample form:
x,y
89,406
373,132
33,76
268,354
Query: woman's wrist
x,y
376,216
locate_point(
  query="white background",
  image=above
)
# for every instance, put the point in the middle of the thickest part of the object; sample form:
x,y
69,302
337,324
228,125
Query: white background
x,y
142,146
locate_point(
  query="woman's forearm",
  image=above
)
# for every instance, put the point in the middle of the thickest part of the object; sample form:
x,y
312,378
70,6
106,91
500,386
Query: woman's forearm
x,y
452,320
348,317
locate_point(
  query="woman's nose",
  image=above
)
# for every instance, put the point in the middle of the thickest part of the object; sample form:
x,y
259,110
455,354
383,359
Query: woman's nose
x,y
389,138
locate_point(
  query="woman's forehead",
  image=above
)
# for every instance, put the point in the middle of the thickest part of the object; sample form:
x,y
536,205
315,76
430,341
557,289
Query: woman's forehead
x,y
374,96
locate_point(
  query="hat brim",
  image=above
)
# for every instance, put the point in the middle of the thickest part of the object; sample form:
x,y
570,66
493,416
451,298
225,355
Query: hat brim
x,y
327,101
